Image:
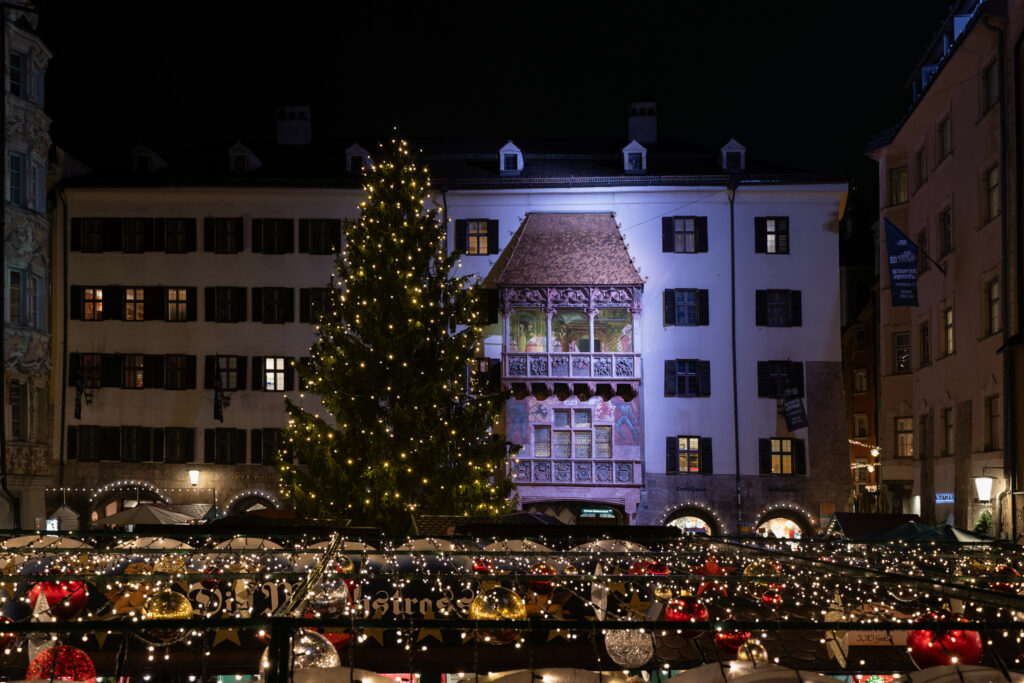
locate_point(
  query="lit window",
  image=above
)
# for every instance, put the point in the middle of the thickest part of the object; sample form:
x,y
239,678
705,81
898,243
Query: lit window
x,y
948,346
476,237
177,304
134,303
992,294
904,437
689,454
93,309
901,353
860,380
782,456
133,371
273,373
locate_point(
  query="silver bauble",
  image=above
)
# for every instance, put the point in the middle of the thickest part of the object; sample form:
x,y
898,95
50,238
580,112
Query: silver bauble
x,y
329,598
629,649
310,650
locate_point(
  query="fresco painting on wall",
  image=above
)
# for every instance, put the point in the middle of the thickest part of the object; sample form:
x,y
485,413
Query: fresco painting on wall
x,y
626,429
517,413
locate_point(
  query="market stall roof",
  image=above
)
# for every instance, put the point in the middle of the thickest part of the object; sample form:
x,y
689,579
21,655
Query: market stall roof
x,y
857,526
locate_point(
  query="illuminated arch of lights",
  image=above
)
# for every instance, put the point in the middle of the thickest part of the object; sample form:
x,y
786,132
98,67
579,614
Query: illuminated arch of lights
x,y
128,484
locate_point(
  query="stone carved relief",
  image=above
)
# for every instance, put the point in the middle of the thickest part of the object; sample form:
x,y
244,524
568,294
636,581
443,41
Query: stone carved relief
x,y
539,366
603,473
563,472
623,472
517,366
624,366
542,471
522,471
27,239
28,460
602,366
583,470
571,297
581,366
560,366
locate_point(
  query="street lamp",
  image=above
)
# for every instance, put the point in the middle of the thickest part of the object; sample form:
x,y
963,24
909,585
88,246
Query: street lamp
x,y
193,477
983,486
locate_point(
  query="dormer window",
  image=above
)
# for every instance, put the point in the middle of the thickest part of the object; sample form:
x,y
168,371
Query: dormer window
x,y
145,161
356,159
734,156
239,163
634,158
510,159
241,159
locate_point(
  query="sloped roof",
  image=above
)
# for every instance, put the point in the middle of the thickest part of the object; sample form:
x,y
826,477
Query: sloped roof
x,y
567,249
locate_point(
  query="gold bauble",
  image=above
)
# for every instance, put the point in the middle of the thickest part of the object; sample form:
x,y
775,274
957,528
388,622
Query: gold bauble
x,y
167,604
751,651
170,564
344,565
663,592
761,568
497,603
571,570
139,568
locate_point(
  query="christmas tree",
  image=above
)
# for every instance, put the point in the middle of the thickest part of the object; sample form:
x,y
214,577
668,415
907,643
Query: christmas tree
x,y
400,427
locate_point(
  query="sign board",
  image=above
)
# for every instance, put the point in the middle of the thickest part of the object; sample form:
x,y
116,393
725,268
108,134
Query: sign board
x,y
599,513
945,498
902,255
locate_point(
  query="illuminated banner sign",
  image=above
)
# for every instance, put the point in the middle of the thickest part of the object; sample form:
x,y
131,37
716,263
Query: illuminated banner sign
x,y
945,498
902,266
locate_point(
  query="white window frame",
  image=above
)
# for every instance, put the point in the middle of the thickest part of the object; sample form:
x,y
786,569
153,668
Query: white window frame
x,y
273,373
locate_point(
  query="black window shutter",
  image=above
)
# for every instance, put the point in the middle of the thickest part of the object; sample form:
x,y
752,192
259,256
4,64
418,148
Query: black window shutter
x,y
764,453
670,307
304,315
191,304
148,232
288,294
672,455
257,304
257,373
702,234
238,304
211,304
76,234
763,380
460,236
190,372
111,443
208,370
492,236
796,376
289,375
159,371
113,302
110,370
257,235
799,457
761,307
149,370
256,446
188,444
146,444
158,444
74,367
703,313
241,361
159,234
210,445
796,316
190,236
238,446
704,378
303,235
156,306
671,383
289,237
209,235
760,235
72,451
706,460
113,234
75,302
668,237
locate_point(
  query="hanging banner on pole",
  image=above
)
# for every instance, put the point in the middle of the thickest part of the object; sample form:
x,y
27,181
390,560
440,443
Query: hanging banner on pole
x,y
902,266
793,402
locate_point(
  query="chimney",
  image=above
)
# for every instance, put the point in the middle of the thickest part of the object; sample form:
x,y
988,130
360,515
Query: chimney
x,y
643,122
293,126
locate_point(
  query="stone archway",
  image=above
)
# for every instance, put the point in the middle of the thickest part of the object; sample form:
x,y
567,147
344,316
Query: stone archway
x,y
252,501
694,519
113,498
783,522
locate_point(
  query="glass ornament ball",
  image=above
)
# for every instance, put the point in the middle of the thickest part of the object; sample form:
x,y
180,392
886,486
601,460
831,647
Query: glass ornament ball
x,y
166,604
498,604
310,650
752,652
330,597
630,649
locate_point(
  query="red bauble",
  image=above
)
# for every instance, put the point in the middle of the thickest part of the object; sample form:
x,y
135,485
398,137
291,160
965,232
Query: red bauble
x,y
6,639
648,568
542,587
941,648
210,584
730,642
771,598
686,610
712,587
482,567
62,663
65,598
1006,587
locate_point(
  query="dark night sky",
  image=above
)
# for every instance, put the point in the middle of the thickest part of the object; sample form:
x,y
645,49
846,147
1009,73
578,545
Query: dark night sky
x,y
802,83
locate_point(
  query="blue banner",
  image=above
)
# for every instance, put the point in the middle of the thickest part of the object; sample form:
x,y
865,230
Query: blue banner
x,y
902,266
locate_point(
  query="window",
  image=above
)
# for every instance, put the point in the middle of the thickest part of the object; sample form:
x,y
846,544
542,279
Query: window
x,y
898,185
991,423
273,304
16,168
778,308
92,364
93,309
684,234
177,304
860,470
319,235
859,340
266,443
16,73
901,353
990,182
860,424
904,437
603,442
180,235
945,138
179,444
948,346
273,235
920,167
312,303
922,252
273,373
225,304
223,235
137,231
572,434
511,163
771,235
224,446
782,456
542,441
775,376
180,372
687,378
634,161
947,431
946,230
26,300
989,86
135,444
860,381
925,335
133,371
992,321
134,303
476,236
92,444
686,307
17,399
689,453
228,368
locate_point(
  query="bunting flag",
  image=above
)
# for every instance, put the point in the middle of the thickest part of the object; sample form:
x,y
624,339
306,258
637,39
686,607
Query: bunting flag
x,y
902,266
218,392
793,402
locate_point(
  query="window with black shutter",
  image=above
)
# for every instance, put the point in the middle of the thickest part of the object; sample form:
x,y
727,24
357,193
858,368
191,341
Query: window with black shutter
x,y
773,376
686,307
179,235
222,235
224,446
319,235
771,235
136,444
225,304
778,308
781,456
313,302
138,234
687,378
684,234
273,235
179,444
273,305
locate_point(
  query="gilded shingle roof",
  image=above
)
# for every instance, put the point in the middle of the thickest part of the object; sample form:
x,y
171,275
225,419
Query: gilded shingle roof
x,y
568,249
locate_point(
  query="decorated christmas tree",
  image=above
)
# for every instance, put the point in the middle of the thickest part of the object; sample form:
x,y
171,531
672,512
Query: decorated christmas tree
x,y
398,426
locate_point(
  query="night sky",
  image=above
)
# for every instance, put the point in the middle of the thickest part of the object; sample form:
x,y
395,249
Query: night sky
x,y
799,83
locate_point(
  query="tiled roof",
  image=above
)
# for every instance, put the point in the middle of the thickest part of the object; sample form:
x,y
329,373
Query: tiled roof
x,y
441,525
568,249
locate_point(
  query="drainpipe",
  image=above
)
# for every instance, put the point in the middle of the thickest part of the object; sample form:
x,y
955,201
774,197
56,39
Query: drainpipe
x,y
64,338
1009,436
731,194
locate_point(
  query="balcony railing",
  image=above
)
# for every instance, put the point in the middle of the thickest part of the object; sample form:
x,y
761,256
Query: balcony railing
x,y
576,366
586,472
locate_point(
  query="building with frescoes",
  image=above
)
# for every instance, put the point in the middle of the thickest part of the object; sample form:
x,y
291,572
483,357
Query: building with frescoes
x,y
650,305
